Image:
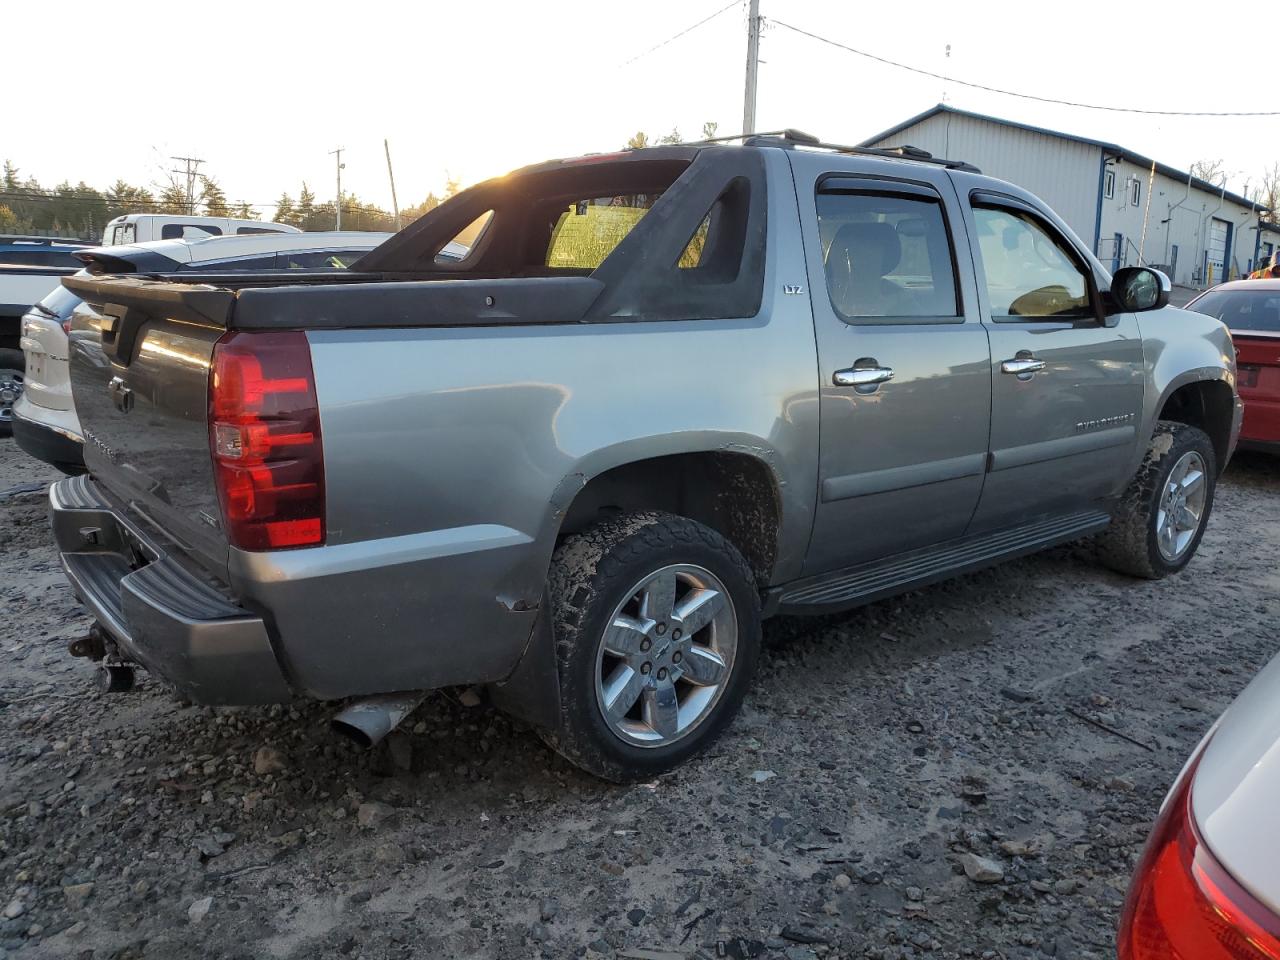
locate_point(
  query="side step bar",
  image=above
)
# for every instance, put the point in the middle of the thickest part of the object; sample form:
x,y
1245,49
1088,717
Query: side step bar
x,y
853,586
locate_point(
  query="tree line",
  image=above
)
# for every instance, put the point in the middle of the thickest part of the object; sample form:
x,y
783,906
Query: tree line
x,y
26,206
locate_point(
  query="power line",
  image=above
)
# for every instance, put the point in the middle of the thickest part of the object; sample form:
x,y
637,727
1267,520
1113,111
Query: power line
x,y
1023,96
674,37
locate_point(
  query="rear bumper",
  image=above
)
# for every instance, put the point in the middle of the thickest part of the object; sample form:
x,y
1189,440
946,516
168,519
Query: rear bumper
x,y
1261,422
178,625
45,442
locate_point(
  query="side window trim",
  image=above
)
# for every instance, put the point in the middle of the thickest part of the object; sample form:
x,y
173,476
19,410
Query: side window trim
x,y
989,198
846,183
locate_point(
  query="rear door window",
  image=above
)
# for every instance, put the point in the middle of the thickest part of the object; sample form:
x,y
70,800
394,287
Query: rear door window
x,y
186,231
886,254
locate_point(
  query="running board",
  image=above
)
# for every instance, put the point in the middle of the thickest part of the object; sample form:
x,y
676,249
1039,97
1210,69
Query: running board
x,y
853,586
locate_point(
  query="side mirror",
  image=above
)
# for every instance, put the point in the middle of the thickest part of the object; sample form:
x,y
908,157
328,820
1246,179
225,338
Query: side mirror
x,y
1140,288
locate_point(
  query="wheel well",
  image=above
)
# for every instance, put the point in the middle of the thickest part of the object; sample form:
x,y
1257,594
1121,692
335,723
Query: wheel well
x,y
1209,405
733,493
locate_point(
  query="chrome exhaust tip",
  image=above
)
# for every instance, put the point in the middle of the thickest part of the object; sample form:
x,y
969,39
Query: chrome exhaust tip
x,y
367,721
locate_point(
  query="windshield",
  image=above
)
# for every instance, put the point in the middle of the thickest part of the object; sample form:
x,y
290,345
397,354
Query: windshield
x,y
1243,310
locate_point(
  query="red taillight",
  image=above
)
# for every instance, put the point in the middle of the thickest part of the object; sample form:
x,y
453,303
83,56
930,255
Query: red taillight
x,y
264,431
1183,905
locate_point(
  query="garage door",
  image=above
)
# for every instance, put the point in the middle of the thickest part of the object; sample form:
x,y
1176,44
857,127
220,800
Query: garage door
x,y
1216,250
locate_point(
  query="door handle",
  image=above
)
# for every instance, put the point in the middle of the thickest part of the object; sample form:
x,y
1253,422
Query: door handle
x,y
867,376
1023,366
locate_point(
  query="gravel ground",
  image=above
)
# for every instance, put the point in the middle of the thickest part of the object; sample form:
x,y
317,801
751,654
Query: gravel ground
x,y
880,756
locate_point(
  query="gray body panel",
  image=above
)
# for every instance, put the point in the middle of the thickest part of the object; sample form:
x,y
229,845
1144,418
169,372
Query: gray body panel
x,y
901,466
455,450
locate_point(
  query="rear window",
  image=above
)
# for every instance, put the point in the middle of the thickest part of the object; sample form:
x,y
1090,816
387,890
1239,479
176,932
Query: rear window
x,y
61,302
588,230
1242,309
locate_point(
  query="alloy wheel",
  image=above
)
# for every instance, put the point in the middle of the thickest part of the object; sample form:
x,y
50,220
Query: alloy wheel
x,y
1181,509
666,656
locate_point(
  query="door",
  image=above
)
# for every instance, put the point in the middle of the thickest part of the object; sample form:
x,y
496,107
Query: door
x,y
1216,251
902,360
1066,379
1116,263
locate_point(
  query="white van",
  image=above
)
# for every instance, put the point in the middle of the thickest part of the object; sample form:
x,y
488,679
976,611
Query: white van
x,y
142,227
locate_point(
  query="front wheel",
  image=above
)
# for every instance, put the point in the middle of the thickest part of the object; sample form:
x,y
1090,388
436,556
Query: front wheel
x,y
657,626
1159,521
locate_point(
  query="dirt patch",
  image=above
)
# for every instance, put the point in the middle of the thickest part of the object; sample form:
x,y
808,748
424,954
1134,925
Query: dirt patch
x,y
899,739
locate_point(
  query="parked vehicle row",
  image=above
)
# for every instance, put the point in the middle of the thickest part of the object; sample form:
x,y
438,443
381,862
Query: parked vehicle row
x,y
581,463
43,413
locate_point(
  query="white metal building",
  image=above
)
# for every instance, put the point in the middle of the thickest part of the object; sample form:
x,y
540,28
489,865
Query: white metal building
x,y
1196,232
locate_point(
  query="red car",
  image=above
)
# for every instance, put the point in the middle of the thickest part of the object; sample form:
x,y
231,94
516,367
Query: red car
x,y
1251,310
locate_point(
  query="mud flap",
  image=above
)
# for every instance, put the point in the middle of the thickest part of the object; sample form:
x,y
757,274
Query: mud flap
x,y
532,691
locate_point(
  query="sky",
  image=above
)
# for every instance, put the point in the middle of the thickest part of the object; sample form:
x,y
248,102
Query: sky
x,y
262,91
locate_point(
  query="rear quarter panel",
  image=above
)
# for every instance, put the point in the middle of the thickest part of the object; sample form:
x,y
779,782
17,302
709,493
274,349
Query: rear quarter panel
x,y
452,455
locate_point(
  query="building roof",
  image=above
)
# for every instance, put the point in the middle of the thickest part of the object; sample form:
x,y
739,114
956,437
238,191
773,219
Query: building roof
x,y
1115,149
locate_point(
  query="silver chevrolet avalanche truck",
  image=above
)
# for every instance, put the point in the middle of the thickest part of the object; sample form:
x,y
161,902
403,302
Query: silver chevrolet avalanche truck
x,y
666,393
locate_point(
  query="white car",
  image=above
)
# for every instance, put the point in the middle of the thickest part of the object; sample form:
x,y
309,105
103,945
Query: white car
x,y
1208,884
43,414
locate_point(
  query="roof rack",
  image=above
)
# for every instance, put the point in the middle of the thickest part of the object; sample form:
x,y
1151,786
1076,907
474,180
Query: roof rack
x,y
26,238
791,138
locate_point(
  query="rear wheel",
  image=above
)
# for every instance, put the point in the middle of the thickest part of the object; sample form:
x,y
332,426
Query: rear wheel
x,y
1162,516
657,625
12,367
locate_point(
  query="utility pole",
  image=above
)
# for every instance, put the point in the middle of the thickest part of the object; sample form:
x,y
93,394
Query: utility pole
x,y
338,154
395,206
753,66
190,174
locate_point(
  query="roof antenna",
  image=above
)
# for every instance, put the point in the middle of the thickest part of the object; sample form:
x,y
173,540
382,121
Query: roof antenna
x,y
946,65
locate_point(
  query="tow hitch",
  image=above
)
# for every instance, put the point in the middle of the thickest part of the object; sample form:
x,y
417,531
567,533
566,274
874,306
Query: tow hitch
x,y
115,677
92,645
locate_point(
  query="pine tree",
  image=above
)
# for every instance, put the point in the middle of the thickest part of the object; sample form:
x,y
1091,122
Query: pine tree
x,y
305,211
214,200
284,210
245,212
173,199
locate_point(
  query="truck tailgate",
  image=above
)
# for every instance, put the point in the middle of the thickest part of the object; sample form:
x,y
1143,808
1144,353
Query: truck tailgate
x,y
140,353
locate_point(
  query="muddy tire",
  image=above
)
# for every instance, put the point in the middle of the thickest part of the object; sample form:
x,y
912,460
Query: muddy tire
x,y
657,634
1157,525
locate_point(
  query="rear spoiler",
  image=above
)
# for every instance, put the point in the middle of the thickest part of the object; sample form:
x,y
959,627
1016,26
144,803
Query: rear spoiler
x,y
127,303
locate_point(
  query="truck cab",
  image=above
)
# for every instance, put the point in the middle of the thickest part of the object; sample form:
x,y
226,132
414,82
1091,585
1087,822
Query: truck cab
x,y
144,227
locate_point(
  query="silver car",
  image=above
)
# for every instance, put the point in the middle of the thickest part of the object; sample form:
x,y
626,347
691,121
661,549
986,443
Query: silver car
x,y
1208,884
